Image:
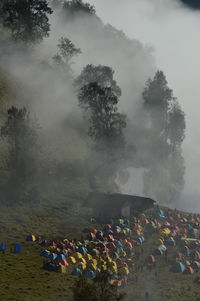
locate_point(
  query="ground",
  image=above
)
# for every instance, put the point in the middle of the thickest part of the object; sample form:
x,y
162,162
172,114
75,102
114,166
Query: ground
x,y
22,276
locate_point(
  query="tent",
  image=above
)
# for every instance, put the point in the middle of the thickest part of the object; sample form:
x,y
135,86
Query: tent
x,y
31,238
53,256
160,250
45,253
3,246
17,248
188,270
76,272
89,274
196,265
61,257
82,250
170,242
150,259
178,267
62,269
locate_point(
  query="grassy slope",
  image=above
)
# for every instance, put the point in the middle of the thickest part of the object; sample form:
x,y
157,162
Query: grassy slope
x,y
24,279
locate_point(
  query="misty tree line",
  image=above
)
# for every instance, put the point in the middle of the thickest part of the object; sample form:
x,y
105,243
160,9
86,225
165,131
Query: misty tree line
x,y
98,95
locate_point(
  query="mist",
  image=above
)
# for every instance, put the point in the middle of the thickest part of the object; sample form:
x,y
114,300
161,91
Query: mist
x,y
143,36
171,29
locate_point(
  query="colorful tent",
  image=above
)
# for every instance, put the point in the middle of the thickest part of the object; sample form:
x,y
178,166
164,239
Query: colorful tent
x,y
178,267
3,246
31,238
45,253
53,256
17,248
188,270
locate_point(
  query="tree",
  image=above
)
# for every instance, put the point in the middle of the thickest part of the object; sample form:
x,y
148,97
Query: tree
x,y
20,132
66,51
157,97
106,124
99,289
98,95
164,177
78,6
103,75
26,19
176,125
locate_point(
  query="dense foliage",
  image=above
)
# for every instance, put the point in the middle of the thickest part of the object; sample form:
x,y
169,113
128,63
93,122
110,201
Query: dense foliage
x,y
26,19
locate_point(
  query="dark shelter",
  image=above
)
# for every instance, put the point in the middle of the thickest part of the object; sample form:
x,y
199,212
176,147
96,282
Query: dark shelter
x,y
110,206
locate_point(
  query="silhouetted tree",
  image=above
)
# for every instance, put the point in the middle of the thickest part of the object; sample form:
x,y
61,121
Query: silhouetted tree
x,y
103,75
106,124
20,132
164,179
176,125
26,19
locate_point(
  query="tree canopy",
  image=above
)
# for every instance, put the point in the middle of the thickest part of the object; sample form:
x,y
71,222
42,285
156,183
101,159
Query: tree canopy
x,y
26,19
105,122
78,6
103,75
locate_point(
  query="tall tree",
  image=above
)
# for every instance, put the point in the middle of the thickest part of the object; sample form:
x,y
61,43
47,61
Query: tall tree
x,y
157,97
26,19
164,179
106,124
98,95
20,132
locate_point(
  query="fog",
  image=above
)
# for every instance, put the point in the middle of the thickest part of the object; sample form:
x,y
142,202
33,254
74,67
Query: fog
x,y
158,35
173,31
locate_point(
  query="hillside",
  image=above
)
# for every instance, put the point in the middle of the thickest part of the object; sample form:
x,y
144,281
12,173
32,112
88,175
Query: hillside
x,y
24,278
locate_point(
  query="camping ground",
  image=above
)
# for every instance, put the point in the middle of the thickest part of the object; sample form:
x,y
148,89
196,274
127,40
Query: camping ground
x,y
24,279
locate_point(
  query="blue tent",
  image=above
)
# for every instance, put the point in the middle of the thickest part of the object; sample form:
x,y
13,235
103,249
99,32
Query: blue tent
x,y
76,272
82,250
140,239
119,244
89,274
52,256
178,267
61,257
3,246
45,253
17,248
169,242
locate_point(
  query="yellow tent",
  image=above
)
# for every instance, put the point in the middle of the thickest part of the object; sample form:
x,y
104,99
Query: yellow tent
x,y
71,260
77,255
62,269
51,248
92,266
87,257
80,265
124,271
82,260
138,228
159,241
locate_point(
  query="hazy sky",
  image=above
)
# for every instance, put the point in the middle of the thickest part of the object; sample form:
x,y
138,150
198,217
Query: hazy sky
x,y
173,31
